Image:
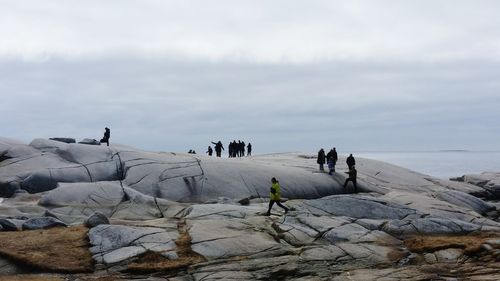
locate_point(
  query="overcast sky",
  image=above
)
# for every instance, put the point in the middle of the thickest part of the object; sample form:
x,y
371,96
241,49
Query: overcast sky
x,y
284,75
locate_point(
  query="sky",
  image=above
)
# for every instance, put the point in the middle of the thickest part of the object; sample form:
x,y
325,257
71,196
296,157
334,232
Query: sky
x,y
383,75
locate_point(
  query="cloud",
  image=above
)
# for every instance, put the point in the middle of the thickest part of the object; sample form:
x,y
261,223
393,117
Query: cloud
x,y
176,105
253,31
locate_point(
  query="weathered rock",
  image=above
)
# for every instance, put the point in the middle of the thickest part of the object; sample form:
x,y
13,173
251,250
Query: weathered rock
x,y
462,199
8,225
97,194
96,219
65,140
356,206
42,223
8,189
90,142
116,243
429,226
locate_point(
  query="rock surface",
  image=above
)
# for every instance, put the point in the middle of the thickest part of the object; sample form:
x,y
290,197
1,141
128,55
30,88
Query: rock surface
x,y
183,215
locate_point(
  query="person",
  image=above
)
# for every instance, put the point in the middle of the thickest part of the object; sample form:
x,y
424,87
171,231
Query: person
x,y
249,149
218,148
230,148
352,177
210,151
275,196
190,151
350,161
107,135
321,159
242,148
331,159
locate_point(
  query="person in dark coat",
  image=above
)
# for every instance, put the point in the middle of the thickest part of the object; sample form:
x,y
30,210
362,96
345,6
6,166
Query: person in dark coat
x,y
210,151
242,148
321,159
249,149
350,161
331,159
353,173
218,148
107,135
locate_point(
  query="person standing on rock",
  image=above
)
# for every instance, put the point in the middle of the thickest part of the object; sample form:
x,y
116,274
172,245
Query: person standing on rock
x,y
331,159
218,148
275,196
321,159
107,135
353,173
350,161
249,149
210,151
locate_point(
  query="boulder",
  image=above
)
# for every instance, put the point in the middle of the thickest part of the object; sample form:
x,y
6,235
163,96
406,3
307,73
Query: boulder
x,y
8,225
465,200
96,219
95,194
42,223
65,140
9,188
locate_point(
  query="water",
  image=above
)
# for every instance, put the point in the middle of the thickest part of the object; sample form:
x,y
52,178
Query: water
x,y
441,164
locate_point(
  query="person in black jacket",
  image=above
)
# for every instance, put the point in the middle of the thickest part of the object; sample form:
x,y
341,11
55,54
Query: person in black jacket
x,y
218,148
210,151
350,161
331,159
107,135
249,149
353,173
321,159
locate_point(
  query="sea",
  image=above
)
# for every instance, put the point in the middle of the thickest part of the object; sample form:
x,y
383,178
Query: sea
x,y
441,164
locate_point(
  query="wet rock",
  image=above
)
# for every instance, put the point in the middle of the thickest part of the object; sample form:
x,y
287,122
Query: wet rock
x,y
95,220
42,223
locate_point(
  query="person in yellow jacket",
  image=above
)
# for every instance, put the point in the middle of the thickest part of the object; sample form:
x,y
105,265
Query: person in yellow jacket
x,y
275,197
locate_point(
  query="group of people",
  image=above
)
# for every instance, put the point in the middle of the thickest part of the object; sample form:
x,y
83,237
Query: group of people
x,y
235,149
331,159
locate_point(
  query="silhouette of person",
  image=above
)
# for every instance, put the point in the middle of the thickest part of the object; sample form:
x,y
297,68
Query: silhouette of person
x,y
353,173
331,159
249,149
350,161
218,148
107,135
190,151
275,196
210,151
242,148
321,159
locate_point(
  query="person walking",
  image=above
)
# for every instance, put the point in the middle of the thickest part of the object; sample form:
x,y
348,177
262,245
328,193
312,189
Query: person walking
x,y
331,159
209,151
353,173
107,135
249,149
275,197
321,159
350,161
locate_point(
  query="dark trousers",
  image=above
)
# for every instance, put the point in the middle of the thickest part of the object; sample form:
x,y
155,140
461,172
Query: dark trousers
x,y
105,140
353,182
271,203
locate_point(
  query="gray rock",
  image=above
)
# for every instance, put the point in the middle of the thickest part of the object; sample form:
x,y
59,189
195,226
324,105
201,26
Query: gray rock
x,y
90,142
42,223
429,226
65,140
465,200
8,189
115,243
7,225
96,219
362,207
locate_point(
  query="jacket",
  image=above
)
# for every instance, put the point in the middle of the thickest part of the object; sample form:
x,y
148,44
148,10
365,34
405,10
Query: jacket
x,y
276,195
